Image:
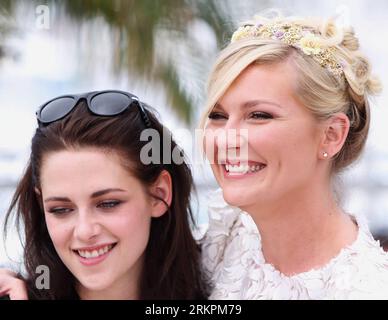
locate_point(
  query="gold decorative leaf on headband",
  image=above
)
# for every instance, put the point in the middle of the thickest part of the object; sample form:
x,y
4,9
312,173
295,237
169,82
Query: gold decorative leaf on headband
x,y
300,37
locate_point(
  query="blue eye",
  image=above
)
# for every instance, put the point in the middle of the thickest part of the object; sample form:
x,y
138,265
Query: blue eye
x,y
260,115
109,204
216,116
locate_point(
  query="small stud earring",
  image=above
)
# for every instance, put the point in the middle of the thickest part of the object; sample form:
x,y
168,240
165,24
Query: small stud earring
x,y
325,155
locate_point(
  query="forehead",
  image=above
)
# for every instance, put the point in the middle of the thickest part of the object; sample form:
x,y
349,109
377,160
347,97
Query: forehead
x,y
275,82
85,168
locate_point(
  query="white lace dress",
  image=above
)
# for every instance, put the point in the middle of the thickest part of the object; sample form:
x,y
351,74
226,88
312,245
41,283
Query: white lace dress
x,y
234,262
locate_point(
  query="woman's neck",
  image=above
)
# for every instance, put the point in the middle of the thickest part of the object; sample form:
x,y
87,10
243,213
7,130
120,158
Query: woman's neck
x,y
303,232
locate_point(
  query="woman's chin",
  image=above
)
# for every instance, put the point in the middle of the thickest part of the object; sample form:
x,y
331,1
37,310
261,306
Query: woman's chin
x,y
235,198
94,283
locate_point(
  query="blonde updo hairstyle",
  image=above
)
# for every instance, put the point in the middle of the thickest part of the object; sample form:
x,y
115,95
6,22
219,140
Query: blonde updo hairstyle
x,y
319,90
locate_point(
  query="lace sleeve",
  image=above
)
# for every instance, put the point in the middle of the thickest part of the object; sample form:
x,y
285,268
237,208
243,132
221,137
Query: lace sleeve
x,y
222,219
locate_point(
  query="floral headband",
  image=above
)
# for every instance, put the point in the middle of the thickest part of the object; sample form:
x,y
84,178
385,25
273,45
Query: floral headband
x,y
297,36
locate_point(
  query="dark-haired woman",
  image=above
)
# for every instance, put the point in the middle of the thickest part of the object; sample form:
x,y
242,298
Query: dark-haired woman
x,y
105,223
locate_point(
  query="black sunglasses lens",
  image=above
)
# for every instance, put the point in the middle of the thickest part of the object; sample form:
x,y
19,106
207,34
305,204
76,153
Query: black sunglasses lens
x,y
56,109
109,103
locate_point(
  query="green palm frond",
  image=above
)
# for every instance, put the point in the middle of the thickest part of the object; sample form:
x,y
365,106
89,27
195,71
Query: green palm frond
x,y
7,26
178,97
135,25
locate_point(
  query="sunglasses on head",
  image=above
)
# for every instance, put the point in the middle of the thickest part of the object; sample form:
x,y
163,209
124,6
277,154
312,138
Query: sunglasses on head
x,y
101,103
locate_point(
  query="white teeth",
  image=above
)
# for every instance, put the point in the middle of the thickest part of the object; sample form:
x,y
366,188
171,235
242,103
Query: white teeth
x,y
243,169
94,253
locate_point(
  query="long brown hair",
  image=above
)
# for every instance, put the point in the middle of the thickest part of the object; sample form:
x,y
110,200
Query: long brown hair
x,y
172,258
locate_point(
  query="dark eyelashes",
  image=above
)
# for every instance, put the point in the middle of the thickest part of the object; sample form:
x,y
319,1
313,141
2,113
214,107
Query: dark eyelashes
x,y
103,205
59,211
260,115
216,116
253,115
109,204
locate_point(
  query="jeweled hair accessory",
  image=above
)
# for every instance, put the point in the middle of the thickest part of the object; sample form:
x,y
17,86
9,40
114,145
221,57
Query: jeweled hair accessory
x,y
300,37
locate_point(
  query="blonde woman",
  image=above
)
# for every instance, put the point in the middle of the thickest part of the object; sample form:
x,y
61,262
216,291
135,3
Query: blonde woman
x,y
300,89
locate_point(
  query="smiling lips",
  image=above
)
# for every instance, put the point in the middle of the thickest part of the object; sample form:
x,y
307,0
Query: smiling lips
x,y
93,255
241,169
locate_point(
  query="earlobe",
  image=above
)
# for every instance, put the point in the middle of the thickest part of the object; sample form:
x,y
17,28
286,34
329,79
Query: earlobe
x,y
335,134
162,191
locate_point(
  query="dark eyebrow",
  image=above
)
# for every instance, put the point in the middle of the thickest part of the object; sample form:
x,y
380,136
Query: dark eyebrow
x,y
62,199
105,191
94,195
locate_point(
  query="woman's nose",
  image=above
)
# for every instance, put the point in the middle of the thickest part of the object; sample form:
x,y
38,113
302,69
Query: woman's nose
x,y
232,136
226,141
86,226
